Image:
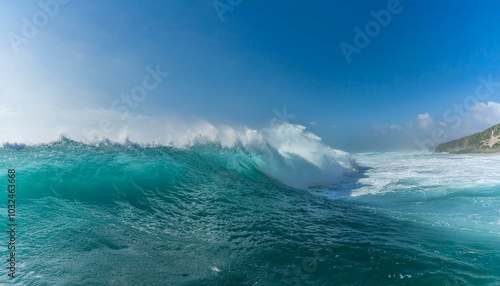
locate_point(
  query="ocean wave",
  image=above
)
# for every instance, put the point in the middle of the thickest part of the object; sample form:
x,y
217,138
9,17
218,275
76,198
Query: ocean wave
x,y
284,152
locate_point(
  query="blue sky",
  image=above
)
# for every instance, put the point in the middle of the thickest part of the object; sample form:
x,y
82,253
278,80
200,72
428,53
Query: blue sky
x,y
263,56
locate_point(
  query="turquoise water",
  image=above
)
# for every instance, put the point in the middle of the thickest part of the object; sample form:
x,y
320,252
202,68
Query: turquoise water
x,y
211,215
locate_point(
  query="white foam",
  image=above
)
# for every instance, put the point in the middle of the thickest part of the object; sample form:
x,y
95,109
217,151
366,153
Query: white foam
x,y
283,151
298,158
441,190
406,172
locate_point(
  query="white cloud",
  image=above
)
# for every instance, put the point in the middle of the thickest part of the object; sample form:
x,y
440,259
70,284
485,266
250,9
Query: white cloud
x,y
5,111
485,114
425,122
426,131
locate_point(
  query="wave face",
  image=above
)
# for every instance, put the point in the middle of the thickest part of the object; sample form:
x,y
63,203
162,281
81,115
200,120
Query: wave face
x,y
244,213
285,152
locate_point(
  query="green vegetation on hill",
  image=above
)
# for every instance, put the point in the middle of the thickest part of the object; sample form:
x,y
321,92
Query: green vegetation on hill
x,y
487,141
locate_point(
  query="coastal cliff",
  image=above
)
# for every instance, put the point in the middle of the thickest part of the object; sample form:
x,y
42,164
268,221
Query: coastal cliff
x,y
487,141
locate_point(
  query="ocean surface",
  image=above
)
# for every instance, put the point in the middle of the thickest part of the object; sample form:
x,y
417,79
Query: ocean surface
x,y
279,209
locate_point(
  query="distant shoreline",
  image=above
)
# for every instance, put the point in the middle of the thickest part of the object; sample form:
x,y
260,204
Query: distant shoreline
x,y
487,141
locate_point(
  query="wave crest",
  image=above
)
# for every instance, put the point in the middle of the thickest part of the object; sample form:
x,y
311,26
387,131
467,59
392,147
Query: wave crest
x,y
284,152
299,159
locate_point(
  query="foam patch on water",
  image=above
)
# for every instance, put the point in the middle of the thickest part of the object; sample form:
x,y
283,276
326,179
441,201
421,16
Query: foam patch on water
x,y
400,172
441,190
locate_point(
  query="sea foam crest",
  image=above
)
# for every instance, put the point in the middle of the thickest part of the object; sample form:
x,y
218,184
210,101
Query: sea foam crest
x,y
284,152
298,158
